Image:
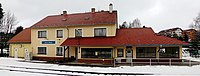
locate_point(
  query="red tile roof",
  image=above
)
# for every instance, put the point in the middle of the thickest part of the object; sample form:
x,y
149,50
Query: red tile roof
x,y
22,37
189,30
124,37
88,18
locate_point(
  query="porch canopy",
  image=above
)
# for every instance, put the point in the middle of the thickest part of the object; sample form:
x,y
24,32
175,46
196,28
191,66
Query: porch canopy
x,y
125,37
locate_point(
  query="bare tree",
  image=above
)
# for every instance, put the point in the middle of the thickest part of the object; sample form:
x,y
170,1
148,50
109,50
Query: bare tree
x,y
8,22
196,41
136,24
196,23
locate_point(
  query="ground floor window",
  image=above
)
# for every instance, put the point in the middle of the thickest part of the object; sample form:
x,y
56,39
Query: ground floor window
x,y
169,52
42,50
120,52
96,52
144,52
59,51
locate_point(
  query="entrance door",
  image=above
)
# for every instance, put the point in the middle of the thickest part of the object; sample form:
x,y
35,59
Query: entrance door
x,y
15,53
26,54
129,54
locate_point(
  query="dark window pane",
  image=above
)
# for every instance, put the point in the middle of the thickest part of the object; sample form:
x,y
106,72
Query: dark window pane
x,y
59,51
143,52
78,32
100,32
96,53
120,52
42,50
169,52
59,33
42,34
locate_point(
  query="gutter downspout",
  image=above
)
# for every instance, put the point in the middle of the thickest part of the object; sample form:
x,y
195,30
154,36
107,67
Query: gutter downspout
x,y
66,49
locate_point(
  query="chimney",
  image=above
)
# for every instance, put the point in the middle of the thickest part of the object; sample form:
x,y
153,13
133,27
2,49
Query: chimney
x,y
110,8
93,10
64,12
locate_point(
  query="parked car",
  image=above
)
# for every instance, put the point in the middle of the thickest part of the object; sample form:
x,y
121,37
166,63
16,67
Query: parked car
x,y
5,52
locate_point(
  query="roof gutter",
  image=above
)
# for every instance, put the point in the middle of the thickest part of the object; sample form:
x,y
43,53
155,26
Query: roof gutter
x,y
143,45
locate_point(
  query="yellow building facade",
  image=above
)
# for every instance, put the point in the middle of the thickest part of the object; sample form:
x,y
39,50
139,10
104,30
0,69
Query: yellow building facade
x,y
20,45
68,32
19,50
91,37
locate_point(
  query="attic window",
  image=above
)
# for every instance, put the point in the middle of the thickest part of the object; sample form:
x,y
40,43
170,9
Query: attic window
x,y
87,18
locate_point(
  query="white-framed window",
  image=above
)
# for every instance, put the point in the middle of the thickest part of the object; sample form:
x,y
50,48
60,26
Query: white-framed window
x,y
42,50
42,34
99,31
78,32
59,51
59,33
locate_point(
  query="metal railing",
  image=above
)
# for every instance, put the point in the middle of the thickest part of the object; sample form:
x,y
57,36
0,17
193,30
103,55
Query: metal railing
x,y
153,61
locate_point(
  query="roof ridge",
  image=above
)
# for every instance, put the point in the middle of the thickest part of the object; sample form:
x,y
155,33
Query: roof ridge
x,y
79,13
102,17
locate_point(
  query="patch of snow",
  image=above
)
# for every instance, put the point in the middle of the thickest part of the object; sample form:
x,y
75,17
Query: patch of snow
x,y
13,73
9,63
185,53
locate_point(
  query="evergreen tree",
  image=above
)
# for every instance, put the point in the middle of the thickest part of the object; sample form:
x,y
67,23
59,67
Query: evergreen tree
x,y
175,36
18,30
124,25
180,38
1,33
185,37
1,12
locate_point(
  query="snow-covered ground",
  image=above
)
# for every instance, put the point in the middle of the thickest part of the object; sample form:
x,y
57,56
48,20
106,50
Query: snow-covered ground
x,y
16,67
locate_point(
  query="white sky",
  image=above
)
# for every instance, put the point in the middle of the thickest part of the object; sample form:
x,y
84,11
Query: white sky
x,y
158,14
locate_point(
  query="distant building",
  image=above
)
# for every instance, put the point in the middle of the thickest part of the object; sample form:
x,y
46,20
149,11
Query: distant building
x,y
179,32
171,32
190,33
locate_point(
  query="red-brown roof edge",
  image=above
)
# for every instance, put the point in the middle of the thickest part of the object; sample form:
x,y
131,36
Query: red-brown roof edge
x,y
22,37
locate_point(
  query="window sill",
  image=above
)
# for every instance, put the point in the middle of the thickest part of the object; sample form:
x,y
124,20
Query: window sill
x,y
42,54
100,36
78,36
59,55
42,38
59,37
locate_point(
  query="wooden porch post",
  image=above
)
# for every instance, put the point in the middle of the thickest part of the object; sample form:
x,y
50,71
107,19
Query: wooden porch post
x,y
68,55
64,53
157,52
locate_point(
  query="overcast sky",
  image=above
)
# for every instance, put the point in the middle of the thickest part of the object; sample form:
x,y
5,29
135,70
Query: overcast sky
x,y
158,14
